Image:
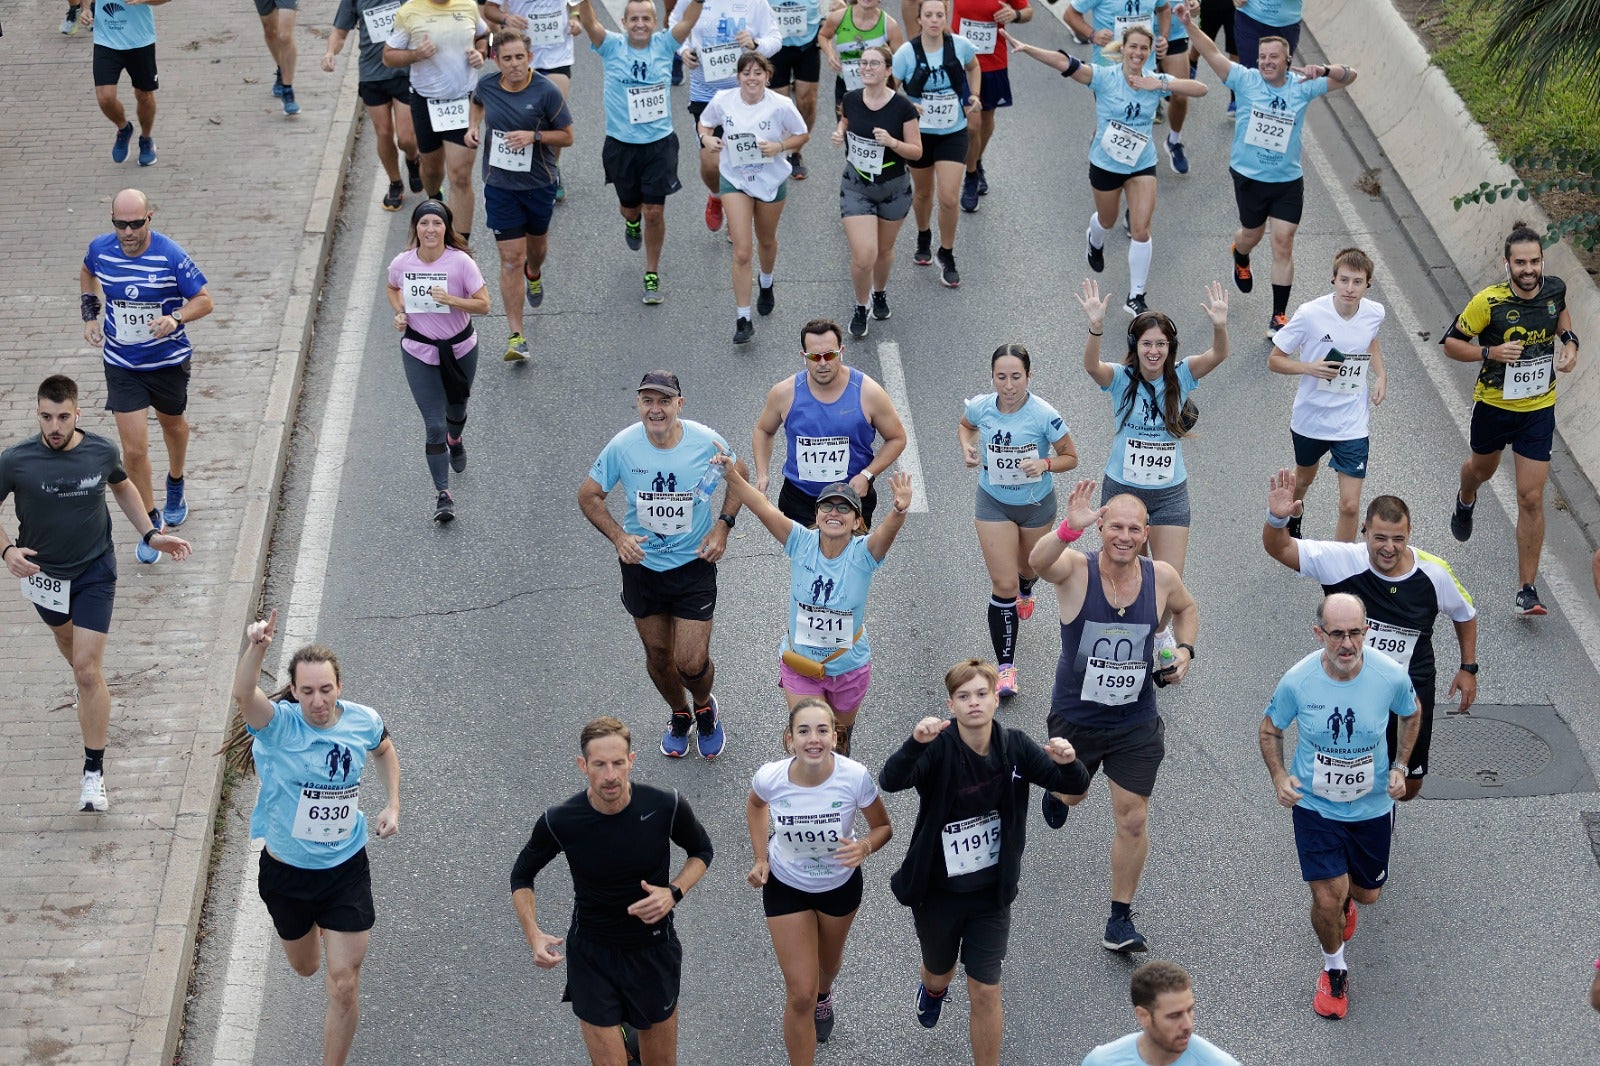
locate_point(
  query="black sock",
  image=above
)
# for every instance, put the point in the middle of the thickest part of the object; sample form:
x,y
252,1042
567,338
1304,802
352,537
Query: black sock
x,y
924,237
94,759
1241,258
1026,584
174,481
1280,299
1003,629
1121,910
155,518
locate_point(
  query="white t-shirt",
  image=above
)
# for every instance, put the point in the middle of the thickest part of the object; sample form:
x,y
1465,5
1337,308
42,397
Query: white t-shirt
x,y
772,118
547,27
1332,410
808,823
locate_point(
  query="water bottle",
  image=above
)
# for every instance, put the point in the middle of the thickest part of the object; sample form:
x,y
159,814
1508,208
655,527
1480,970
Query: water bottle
x,y
709,481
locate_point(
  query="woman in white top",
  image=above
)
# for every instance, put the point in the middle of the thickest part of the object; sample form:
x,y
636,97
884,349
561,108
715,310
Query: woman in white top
x,y
808,865
753,130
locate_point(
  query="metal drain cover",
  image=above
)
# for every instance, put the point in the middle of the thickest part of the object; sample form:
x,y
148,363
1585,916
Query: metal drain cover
x,y
1501,750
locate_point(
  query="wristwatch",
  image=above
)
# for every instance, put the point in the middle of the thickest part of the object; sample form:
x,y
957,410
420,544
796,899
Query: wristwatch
x,y
177,316
1190,648
1471,668
677,893
728,518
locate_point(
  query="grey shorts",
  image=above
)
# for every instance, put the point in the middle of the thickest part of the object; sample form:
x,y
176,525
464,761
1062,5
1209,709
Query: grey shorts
x,y
1167,506
267,7
1022,515
888,200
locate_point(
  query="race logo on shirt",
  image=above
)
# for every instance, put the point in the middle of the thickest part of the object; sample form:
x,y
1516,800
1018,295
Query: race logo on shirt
x,y
338,762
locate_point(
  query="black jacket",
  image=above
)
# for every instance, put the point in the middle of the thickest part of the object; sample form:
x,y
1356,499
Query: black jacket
x,y
931,768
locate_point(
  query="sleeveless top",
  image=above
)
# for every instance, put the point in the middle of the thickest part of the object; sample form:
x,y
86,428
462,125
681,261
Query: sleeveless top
x,y
828,442
1104,679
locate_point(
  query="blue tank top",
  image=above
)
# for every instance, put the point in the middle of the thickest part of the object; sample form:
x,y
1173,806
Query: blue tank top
x,y
1103,680
828,442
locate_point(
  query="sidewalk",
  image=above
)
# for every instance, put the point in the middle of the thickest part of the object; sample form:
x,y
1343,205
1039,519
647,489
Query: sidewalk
x,y
98,913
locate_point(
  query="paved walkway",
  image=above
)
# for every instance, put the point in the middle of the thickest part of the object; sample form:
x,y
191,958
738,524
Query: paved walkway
x,y
98,913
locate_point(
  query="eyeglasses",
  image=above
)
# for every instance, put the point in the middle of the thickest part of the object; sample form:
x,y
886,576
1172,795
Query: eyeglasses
x,y
822,357
841,507
1339,636
129,223
871,64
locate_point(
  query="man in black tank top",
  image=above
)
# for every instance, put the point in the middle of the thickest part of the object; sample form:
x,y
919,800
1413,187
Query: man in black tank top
x,y
1112,602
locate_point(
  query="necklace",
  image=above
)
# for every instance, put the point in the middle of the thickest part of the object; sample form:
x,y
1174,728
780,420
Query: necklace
x,y
1123,610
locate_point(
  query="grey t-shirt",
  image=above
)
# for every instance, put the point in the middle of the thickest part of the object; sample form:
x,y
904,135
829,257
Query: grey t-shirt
x,y
540,106
355,14
61,500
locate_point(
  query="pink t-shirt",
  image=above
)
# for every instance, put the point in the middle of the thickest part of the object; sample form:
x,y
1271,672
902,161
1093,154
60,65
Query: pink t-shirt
x,y
462,279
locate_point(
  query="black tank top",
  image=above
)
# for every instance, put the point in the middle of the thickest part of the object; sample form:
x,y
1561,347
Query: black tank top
x,y
1104,680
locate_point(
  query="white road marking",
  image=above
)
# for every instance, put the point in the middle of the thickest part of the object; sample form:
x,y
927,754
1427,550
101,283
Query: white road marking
x,y
246,979
1564,593
894,383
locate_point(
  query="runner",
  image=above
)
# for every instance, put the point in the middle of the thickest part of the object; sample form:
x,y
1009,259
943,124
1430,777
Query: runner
x,y
550,26
751,128
668,544
64,556
277,26
1174,57
384,93
1016,439
310,748
1216,22
1256,20
1340,372
847,33
1122,161
527,125
940,73
1344,823
1163,1004
979,22
1103,701
1102,22
1150,400
964,863
153,291
435,288
437,40
797,66
125,40
623,957
1511,330
1403,589
69,24
830,413
808,865
1268,182
875,189
826,652
641,150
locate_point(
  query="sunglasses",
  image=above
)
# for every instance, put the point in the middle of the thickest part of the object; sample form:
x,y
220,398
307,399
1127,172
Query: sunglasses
x,y
132,223
829,506
822,357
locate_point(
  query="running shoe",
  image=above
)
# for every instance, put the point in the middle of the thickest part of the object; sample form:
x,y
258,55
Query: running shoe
x,y
1243,280
69,25
929,1005
675,741
1275,323
1122,937
516,348
923,256
1097,256
633,234
414,174
797,169
458,454
1175,157
1054,811
1294,526
289,105
119,147
948,277
93,796
713,212
146,554
277,82
708,724
743,331
880,306
394,197
1025,606
766,300
824,1018
1135,305
1528,602
858,322
1332,999
444,508
147,151
969,193
1007,685
176,509
561,191
652,288
1461,520
535,290
1350,919
983,180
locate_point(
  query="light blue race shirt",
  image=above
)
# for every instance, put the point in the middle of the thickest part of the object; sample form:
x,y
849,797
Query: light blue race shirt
x,y
1006,439
1274,12
1125,1052
123,27
659,485
1269,123
788,13
937,87
1143,453
828,599
1116,16
1124,117
308,809
638,87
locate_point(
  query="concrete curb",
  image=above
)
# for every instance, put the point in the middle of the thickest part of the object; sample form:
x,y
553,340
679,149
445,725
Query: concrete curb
x,y
159,1024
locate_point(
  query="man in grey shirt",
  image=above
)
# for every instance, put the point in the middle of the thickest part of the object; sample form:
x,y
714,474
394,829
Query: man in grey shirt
x,y
385,91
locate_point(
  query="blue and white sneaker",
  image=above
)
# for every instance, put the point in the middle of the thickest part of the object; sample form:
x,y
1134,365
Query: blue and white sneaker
x,y
147,151
176,508
119,147
277,82
929,1005
675,741
1175,156
146,554
1122,937
712,738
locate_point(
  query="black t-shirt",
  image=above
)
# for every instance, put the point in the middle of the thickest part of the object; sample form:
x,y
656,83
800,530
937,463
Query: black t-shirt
x,y
609,854
976,796
862,120
61,500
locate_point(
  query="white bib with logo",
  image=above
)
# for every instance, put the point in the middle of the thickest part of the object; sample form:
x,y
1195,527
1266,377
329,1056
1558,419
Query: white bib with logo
x,y
981,35
721,61
666,513
1341,780
1005,464
51,593
326,815
1396,642
1149,462
864,154
417,290
822,627
448,115
504,157
1112,682
744,150
548,30
1352,374
790,19
1529,377
1122,23
822,459
1123,144
971,845
850,71
940,110
133,320
647,103
1269,129
380,21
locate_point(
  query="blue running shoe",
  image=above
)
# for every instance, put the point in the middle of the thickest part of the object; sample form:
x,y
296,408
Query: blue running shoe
x,y
146,554
119,148
289,105
277,82
177,508
1122,937
712,739
1175,156
929,1005
675,741
147,151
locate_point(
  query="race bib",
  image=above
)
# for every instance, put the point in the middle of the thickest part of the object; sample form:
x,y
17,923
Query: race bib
x,y
1124,144
822,459
133,320
1112,682
744,150
1149,462
504,157
1269,129
1341,780
940,110
971,845
1122,23
448,115
1352,375
647,103
863,154
721,61
850,71
548,29
51,593
1394,641
981,35
380,21
416,287
790,19
325,815
1005,464
820,627
664,513
1529,376
810,842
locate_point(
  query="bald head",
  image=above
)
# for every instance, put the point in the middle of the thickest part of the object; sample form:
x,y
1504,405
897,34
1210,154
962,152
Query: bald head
x,y
132,201
1341,610
1128,507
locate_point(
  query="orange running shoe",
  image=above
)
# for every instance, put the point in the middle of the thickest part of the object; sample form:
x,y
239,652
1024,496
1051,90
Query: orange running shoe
x,y
1332,1000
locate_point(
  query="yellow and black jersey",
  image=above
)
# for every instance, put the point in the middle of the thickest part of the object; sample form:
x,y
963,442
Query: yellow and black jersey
x,y
1496,315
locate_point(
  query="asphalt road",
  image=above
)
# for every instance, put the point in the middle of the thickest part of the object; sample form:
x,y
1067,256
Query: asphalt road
x,y
486,644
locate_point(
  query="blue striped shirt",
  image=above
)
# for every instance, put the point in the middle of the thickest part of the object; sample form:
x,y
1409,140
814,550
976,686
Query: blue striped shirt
x,y
138,290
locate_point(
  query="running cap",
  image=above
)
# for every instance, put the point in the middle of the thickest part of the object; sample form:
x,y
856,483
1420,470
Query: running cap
x,y
841,491
662,381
